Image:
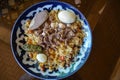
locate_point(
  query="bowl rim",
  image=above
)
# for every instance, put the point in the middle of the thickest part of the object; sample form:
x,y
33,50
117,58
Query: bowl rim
x,y
11,38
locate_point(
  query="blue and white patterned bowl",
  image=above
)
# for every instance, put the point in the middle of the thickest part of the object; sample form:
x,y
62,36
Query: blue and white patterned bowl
x,y
30,66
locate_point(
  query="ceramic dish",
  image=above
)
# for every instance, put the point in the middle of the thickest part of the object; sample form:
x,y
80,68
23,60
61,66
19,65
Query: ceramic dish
x,y
30,66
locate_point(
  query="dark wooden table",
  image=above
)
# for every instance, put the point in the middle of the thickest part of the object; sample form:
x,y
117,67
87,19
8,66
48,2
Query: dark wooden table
x,y
103,17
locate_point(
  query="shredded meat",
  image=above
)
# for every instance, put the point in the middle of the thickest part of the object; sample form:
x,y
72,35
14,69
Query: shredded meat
x,y
50,36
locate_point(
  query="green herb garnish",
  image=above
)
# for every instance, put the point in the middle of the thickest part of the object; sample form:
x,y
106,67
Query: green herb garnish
x,y
32,48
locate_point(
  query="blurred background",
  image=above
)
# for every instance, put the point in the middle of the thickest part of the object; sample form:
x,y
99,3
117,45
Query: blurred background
x,y
103,17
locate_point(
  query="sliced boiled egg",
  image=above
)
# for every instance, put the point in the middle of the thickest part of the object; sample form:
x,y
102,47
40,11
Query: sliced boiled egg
x,y
41,57
66,16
